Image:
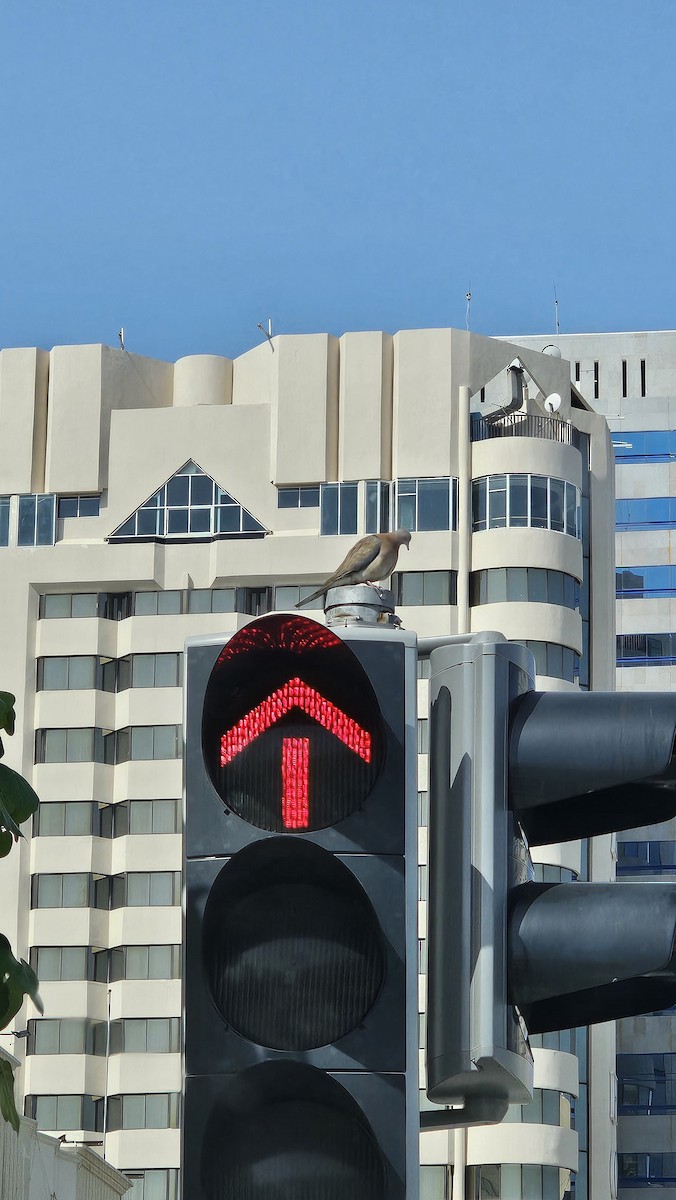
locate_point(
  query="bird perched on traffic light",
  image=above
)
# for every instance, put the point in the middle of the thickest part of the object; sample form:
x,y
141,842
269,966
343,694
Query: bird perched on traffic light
x,y
373,557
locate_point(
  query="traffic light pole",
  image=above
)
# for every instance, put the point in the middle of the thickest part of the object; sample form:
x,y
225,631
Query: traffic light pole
x,y
478,1059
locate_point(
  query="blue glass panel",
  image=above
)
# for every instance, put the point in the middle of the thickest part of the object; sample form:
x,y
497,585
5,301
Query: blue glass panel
x,y
329,508
26,521
433,504
348,508
201,490
44,533
178,490
250,524
287,497
4,520
309,497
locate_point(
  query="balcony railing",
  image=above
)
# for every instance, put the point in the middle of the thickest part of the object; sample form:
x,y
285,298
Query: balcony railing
x,y
523,425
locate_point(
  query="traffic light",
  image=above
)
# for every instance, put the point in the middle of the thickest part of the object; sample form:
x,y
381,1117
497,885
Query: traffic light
x,y
507,956
300,987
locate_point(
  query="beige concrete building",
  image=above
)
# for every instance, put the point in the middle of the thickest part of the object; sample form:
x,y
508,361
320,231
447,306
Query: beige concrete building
x,y
142,502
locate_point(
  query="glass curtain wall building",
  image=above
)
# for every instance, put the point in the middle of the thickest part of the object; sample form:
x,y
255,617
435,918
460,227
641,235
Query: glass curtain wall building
x,y
631,378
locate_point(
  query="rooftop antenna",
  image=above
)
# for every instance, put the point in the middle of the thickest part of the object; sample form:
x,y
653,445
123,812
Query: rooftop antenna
x,y
267,332
557,327
120,334
468,298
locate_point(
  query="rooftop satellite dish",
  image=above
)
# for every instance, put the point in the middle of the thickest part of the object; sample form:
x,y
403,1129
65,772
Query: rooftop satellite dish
x,y
553,402
552,351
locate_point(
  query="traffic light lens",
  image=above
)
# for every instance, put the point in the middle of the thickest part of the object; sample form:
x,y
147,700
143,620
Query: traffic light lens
x,y
295,1133
291,946
291,731
299,1151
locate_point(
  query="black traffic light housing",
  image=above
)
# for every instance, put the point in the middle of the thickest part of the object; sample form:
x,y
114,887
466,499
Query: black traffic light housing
x,y
507,956
300,986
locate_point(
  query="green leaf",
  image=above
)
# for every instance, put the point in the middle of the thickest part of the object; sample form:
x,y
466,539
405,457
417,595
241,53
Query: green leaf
x,y
17,980
7,1104
18,801
6,843
7,714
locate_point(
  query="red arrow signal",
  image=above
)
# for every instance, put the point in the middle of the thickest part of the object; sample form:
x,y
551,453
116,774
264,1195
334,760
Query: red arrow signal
x,y
295,750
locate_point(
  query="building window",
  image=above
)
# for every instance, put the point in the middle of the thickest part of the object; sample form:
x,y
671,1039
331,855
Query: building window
x,y
338,508
69,745
652,445
643,380
499,585
146,1035
158,1184
157,1110
653,512
425,587
378,506
287,596
141,817
68,673
117,606
555,661
61,891
646,1170
81,604
646,1084
59,818
62,1112
515,1179
435,1183
156,670
189,506
68,1035
157,604
78,506
646,649
146,962
427,504
146,889
645,582
646,858
525,501
559,1039
212,600
547,1107
36,521
298,497
4,520
61,963
145,742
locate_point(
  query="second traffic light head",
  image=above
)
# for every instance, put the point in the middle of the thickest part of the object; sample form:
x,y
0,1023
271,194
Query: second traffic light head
x,y
585,763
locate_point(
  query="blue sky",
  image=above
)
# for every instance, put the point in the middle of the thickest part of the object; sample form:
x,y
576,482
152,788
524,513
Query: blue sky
x,y
187,168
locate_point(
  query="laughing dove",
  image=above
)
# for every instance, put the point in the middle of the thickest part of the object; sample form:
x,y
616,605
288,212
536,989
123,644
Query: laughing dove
x,y
372,558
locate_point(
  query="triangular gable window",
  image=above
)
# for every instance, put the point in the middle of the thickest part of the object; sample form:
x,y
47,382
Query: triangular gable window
x,y
189,506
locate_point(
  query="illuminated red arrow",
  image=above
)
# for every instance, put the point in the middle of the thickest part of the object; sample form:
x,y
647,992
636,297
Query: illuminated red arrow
x,y
295,750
